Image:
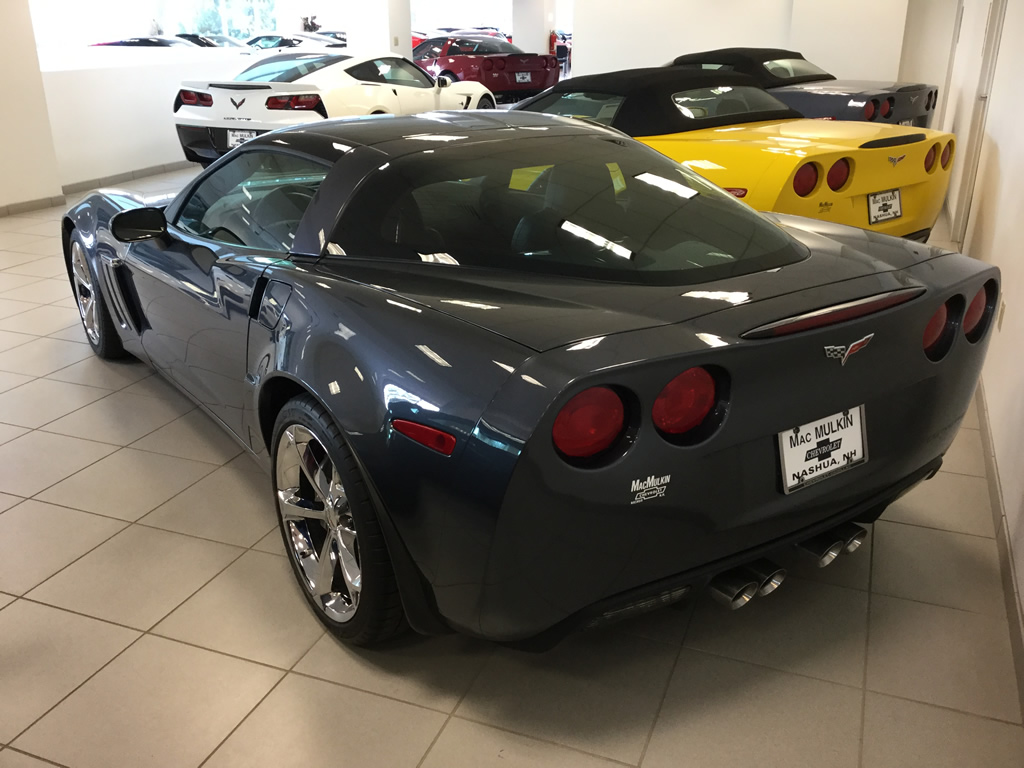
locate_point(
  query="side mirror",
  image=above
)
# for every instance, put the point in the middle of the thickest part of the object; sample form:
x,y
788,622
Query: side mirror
x,y
443,81
137,224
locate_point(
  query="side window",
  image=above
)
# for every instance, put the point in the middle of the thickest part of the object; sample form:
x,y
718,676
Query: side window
x,y
463,46
367,72
429,49
402,72
257,200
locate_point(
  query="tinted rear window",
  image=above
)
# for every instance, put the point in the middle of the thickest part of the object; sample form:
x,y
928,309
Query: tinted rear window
x,y
483,46
287,69
787,68
587,206
725,100
599,107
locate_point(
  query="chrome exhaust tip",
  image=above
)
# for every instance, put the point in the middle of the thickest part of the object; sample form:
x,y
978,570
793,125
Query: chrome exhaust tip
x,y
852,534
734,588
769,576
823,548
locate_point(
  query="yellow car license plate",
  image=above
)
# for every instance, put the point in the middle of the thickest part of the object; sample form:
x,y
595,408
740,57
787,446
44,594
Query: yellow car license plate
x,y
884,206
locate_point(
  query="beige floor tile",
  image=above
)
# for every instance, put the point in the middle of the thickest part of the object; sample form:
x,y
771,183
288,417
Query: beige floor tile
x,y
965,456
463,744
18,224
127,484
31,226
194,436
951,569
6,600
108,374
137,577
235,506
8,432
12,260
42,401
12,306
666,625
29,465
9,240
10,340
43,246
37,540
67,301
254,609
905,734
852,571
72,333
598,692
52,266
948,501
721,713
43,292
12,380
271,543
120,419
942,656
156,386
278,732
45,654
433,672
971,418
9,280
38,357
11,759
7,501
804,627
116,720
41,320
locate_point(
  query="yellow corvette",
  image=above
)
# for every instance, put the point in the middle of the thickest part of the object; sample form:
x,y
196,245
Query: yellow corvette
x,y
886,178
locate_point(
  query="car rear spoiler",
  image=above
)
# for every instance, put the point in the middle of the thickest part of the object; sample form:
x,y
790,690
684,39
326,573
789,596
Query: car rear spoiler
x,y
233,85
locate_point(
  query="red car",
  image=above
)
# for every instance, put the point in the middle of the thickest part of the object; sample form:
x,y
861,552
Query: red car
x,y
507,71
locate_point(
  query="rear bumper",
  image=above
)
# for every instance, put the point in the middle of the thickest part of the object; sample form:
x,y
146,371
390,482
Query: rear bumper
x,y
204,145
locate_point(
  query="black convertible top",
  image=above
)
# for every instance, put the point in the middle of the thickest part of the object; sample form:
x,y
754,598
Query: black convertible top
x,y
749,61
648,109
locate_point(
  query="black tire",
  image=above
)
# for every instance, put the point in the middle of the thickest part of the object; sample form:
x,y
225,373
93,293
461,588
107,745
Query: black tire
x,y
104,338
378,615
486,102
450,75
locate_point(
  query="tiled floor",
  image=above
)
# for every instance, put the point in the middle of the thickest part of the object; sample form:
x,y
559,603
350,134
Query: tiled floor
x,y
148,617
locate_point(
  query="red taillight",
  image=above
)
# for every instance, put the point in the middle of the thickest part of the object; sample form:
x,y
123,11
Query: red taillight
x,y
432,438
278,102
806,179
838,174
887,106
685,402
736,191
305,101
188,97
975,311
947,154
553,62
589,423
205,100
929,159
487,64
935,330
499,64
870,109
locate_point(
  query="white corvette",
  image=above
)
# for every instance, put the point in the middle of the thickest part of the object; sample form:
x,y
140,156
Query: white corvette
x,y
305,86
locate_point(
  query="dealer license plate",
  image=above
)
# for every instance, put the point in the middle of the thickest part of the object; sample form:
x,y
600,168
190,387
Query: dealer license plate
x,y
906,122
816,451
522,77
884,206
235,138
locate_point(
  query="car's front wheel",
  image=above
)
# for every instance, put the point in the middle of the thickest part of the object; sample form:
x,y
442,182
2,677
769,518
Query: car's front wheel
x,y
486,102
99,327
330,528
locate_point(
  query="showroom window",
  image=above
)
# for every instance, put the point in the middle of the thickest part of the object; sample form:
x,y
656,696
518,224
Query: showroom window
x,y
257,200
288,68
719,101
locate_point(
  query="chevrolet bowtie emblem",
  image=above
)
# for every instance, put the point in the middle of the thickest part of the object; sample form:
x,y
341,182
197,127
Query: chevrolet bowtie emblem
x,y
842,354
896,160
238,105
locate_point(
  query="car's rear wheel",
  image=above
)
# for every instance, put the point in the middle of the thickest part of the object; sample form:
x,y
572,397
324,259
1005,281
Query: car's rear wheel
x,y
331,533
486,102
99,327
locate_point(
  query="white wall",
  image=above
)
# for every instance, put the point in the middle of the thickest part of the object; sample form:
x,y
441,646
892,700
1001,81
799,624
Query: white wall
x,y
927,43
29,164
994,236
852,39
532,23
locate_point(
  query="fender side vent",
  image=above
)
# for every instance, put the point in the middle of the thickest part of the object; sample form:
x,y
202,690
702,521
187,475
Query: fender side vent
x,y
838,313
894,141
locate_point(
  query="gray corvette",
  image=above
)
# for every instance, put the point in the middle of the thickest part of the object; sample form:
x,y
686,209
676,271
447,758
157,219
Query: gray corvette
x,y
513,374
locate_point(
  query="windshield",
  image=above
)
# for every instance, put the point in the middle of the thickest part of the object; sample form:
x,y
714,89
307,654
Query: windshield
x,y
287,68
725,100
787,68
599,107
596,207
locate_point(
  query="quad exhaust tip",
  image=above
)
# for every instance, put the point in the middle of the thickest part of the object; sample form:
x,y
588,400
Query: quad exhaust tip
x,y
827,546
769,575
734,588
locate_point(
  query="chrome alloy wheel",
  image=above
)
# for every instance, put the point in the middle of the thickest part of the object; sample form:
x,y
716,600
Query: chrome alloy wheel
x,y
85,296
319,530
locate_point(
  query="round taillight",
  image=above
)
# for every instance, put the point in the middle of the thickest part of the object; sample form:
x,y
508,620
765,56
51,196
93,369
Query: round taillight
x,y
929,159
188,97
589,423
947,154
935,329
928,101
887,106
838,174
806,179
499,64
685,402
870,109
975,312
487,64
554,62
